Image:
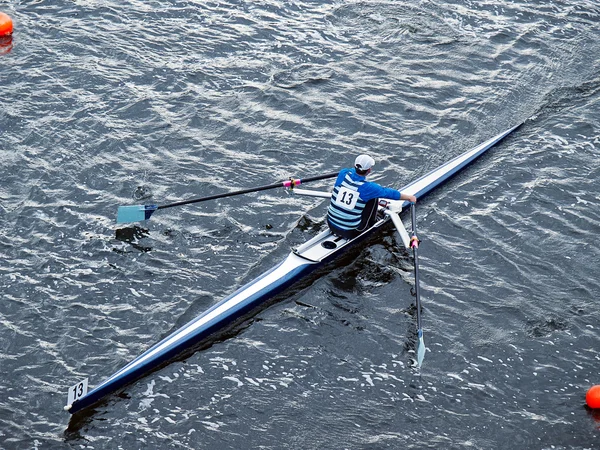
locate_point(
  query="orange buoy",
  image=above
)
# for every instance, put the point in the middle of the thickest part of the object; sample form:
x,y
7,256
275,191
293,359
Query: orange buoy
x,y
6,25
592,398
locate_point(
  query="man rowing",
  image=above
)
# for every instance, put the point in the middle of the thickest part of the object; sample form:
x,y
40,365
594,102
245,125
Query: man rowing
x,y
354,200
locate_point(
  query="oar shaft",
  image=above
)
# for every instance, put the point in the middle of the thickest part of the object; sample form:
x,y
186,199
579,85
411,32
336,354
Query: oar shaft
x,y
288,183
415,247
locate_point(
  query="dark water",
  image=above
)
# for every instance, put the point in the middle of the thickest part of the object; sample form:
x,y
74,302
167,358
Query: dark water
x,y
110,103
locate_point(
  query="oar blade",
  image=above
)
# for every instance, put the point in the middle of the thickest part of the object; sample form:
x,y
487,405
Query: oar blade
x,y
420,349
135,213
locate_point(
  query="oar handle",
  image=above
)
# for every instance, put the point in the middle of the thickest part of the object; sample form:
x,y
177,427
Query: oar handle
x,y
288,183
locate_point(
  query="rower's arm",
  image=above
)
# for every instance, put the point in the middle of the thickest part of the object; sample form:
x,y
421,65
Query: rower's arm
x,y
410,198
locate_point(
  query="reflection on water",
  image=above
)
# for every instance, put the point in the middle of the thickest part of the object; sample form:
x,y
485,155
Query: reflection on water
x,y
595,415
6,44
131,235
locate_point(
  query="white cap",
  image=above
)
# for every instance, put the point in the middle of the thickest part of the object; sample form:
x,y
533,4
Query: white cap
x,y
364,162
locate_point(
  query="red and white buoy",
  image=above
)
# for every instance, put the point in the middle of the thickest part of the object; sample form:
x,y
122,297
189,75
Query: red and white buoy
x,y
6,25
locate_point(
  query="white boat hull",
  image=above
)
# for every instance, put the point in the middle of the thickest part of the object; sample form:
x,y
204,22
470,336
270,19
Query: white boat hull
x,y
307,257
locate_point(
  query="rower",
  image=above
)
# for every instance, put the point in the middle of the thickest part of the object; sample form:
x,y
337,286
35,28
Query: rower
x,y
353,206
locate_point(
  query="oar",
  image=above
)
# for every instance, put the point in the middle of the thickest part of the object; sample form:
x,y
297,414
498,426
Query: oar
x,y
414,243
136,213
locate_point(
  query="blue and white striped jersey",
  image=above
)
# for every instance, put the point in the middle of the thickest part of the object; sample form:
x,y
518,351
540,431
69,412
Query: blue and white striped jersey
x,y
351,193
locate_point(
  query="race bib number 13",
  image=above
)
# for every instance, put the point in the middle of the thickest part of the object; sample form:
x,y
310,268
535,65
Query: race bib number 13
x,y
346,198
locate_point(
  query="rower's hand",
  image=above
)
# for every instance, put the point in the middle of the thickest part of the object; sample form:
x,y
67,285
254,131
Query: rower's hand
x,y
412,199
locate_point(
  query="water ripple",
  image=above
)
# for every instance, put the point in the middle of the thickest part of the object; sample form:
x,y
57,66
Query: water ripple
x,y
107,103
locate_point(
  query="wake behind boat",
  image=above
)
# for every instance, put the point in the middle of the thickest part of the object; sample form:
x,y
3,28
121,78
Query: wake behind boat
x,y
301,261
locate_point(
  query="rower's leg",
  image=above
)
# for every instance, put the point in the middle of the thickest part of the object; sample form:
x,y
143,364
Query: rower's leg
x,y
369,215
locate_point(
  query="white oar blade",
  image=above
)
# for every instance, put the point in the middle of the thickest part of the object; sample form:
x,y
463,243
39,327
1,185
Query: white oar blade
x,y
400,227
134,213
420,349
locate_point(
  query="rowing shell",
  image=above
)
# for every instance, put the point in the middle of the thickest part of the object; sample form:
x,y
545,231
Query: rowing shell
x,y
301,261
